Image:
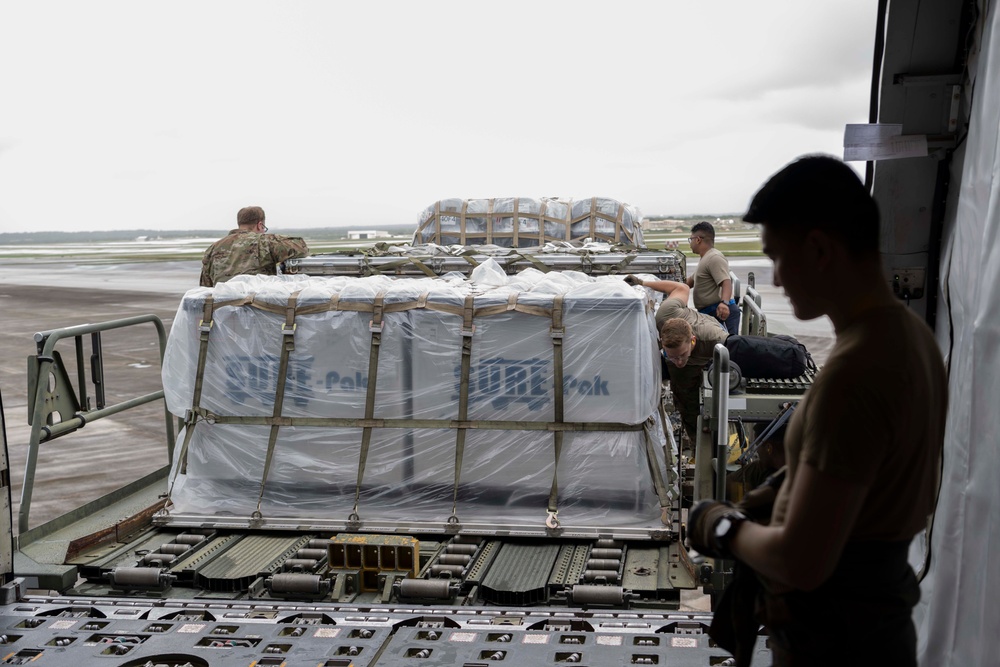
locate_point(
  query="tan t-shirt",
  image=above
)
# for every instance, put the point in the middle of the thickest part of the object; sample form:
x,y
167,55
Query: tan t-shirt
x,y
707,330
875,416
712,269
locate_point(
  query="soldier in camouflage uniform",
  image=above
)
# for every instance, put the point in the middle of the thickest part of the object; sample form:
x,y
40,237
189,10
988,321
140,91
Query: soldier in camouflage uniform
x,y
248,249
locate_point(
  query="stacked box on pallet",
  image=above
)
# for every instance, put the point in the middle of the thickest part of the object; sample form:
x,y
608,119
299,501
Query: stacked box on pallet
x,y
523,222
611,375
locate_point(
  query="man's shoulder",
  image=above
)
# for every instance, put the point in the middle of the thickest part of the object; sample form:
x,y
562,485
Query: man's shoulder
x,y
889,334
713,257
710,330
232,235
282,238
673,307
226,240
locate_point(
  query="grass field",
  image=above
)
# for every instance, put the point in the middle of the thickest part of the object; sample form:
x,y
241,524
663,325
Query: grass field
x,y
742,243
152,251
732,244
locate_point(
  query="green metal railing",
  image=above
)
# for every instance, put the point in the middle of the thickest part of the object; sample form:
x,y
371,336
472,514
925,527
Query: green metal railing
x,y
53,393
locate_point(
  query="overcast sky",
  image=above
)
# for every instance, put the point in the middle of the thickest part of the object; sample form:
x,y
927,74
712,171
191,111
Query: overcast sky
x,y
157,115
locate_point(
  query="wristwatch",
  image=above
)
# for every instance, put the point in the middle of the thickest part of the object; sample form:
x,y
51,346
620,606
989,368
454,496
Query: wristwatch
x,y
726,528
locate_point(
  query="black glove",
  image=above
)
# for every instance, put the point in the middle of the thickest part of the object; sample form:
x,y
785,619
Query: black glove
x,y
759,502
711,525
632,280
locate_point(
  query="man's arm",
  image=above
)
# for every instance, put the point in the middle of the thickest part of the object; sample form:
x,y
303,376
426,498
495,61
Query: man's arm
x,y
206,274
725,294
726,290
804,551
287,247
673,289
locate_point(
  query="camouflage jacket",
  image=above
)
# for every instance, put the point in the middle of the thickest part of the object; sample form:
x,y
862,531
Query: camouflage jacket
x,y
244,252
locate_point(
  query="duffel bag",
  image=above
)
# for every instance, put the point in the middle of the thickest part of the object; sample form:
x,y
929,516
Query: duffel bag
x,y
776,357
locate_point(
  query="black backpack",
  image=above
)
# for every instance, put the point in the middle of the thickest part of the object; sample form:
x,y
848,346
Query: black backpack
x,y
778,357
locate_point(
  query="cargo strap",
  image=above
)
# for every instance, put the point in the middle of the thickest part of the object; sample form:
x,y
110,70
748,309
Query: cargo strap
x,y
204,328
428,271
654,472
468,331
670,462
391,267
541,222
465,209
420,303
618,223
375,326
557,331
471,424
537,263
388,267
489,218
196,412
287,346
622,265
517,222
512,304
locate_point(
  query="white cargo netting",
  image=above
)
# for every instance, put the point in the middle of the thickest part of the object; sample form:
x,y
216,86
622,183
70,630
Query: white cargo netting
x,y
595,258
407,381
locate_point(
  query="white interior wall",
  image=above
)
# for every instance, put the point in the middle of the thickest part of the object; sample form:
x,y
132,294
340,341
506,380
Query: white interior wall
x,y
958,618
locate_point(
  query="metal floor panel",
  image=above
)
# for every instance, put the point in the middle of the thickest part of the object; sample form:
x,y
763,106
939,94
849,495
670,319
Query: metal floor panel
x,y
519,574
236,567
53,631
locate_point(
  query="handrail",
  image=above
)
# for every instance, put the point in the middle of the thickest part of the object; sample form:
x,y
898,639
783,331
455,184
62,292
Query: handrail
x,y
42,432
736,286
720,404
754,322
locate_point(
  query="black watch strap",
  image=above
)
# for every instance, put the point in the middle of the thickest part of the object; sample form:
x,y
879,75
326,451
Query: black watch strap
x,y
726,528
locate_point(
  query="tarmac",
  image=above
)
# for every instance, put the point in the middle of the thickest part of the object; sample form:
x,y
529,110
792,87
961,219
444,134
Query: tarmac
x,y
37,296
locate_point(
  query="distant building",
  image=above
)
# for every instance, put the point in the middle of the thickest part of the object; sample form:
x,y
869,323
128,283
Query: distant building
x,y
363,234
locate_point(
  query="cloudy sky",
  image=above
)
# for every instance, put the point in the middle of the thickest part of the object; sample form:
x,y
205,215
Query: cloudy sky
x,y
157,115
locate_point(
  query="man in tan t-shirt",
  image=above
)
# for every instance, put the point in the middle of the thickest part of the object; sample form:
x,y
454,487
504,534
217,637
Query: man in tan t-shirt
x,y
712,287
863,447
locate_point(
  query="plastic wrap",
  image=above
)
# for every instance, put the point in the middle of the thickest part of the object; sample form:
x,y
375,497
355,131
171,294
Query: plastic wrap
x,y
610,382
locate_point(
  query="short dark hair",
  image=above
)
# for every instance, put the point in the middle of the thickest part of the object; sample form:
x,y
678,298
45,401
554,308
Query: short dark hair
x,y
819,192
249,215
675,331
705,228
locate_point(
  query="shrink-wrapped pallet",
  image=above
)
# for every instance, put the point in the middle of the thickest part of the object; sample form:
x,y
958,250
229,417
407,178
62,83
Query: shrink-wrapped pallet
x,y
516,332
523,222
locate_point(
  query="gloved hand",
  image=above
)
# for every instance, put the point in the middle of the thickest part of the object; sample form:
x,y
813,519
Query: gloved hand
x,y
758,503
632,280
707,532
